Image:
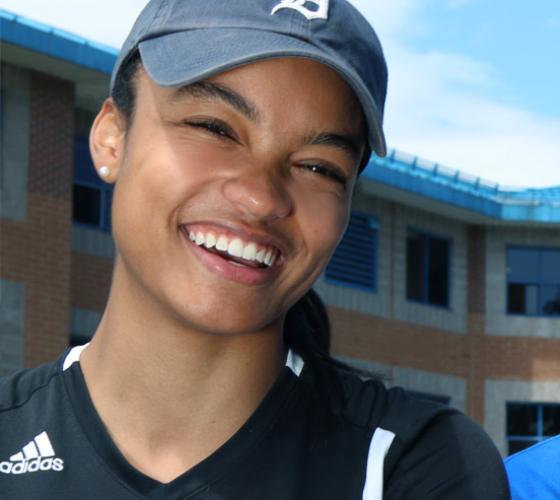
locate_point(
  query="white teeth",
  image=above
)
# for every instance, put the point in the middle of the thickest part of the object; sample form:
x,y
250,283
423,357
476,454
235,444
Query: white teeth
x,y
260,256
235,248
268,258
222,244
250,252
210,241
200,239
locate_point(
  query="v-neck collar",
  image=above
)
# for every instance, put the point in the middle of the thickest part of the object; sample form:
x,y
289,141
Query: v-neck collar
x,y
199,477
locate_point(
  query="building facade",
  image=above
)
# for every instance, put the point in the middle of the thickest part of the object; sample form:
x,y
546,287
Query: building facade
x,y
445,285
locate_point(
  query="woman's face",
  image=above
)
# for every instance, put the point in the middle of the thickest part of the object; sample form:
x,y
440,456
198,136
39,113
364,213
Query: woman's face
x,y
255,165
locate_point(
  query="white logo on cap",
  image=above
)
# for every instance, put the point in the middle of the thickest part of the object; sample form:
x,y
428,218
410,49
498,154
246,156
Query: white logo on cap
x,y
322,11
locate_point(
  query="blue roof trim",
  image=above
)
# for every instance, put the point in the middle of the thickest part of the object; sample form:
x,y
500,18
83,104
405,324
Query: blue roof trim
x,y
56,43
459,190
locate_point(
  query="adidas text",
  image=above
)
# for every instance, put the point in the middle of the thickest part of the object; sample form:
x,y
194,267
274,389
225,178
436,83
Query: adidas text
x,y
34,465
37,455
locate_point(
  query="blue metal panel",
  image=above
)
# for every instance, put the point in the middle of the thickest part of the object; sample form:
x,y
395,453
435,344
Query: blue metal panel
x,y
354,261
56,43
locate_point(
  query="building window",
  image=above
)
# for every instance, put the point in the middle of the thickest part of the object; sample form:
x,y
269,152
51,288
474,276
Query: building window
x,y
529,423
533,281
353,263
427,268
92,197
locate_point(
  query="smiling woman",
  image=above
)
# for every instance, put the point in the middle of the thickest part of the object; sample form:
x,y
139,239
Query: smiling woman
x,y
234,140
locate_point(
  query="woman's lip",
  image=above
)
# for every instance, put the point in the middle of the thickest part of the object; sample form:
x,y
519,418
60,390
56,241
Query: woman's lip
x,y
228,270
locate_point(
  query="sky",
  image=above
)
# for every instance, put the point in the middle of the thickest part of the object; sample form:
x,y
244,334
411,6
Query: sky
x,y
474,85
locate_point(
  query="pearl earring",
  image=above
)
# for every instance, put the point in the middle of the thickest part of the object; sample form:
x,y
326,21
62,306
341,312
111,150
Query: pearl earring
x,y
104,171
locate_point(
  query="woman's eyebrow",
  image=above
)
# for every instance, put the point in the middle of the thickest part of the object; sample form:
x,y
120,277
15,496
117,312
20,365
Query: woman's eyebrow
x,y
348,143
215,91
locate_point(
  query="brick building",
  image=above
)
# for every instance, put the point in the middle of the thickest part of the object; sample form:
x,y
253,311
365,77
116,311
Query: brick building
x,y
449,286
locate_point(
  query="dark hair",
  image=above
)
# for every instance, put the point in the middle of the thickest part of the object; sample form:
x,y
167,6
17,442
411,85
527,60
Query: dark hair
x,y
307,328
123,92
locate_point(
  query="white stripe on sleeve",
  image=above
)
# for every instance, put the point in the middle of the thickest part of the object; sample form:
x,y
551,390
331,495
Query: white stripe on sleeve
x,y
294,362
378,449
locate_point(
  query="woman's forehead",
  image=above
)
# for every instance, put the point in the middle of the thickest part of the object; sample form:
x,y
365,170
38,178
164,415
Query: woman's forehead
x,y
307,85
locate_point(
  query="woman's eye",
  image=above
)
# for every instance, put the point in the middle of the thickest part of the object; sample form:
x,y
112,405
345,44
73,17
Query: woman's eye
x,y
214,127
326,171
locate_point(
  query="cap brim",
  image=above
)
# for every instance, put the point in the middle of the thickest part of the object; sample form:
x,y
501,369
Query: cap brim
x,y
188,56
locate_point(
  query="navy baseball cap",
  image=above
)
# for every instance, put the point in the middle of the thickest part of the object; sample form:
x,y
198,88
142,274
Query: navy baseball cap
x,y
184,41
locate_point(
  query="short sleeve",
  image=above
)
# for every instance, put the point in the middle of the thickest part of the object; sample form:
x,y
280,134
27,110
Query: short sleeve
x,y
533,473
451,459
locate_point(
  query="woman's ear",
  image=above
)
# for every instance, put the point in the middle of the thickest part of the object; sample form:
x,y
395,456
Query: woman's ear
x,y
107,141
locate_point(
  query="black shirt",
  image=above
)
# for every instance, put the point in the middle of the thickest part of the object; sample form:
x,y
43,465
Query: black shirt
x,y
376,444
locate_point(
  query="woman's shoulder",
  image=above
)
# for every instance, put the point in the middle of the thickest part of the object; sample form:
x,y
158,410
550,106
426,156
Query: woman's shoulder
x,y
429,450
368,402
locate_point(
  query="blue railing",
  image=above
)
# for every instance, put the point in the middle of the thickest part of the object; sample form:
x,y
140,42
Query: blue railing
x,y
451,186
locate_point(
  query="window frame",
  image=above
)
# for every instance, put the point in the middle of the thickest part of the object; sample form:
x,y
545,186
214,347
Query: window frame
x,y
539,437
539,284
427,235
373,222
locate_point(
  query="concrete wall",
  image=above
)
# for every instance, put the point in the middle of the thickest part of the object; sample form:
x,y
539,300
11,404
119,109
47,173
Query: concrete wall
x,y
497,321
92,241
14,142
12,326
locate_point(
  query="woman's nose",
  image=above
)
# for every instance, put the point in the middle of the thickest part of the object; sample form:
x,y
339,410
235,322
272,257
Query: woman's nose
x,y
259,195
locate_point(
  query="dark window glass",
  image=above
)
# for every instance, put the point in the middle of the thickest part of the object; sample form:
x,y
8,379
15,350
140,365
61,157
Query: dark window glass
x,y
438,276
84,171
87,204
415,265
515,445
550,298
523,265
551,420
550,266
427,269
522,419
516,299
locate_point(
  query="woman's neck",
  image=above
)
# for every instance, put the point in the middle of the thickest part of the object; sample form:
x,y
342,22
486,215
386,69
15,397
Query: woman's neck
x,y
158,385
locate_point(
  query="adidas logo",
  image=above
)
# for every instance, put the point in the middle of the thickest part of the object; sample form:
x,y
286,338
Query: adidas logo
x,y
37,455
